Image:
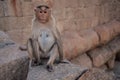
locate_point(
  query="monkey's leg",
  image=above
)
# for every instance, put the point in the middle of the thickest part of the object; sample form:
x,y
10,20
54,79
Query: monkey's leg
x,y
36,51
61,54
53,56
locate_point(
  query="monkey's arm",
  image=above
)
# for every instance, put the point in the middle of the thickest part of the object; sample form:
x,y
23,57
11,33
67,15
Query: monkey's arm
x,y
30,48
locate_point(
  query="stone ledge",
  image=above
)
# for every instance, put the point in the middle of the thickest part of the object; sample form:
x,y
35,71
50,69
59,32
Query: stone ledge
x,y
13,63
62,72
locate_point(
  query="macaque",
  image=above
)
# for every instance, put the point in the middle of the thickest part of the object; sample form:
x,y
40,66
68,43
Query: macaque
x,y
45,40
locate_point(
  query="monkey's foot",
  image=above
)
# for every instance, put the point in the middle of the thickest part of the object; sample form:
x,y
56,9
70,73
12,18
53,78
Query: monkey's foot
x,y
50,68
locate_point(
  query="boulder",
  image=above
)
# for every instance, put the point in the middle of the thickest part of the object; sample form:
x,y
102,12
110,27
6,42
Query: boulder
x,y
97,74
13,63
62,72
83,60
111,62
106,53
117,69
108,31
73,44
76,43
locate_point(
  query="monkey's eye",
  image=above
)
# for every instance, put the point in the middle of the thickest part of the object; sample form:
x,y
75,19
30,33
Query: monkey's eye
x,y
40,11
45,11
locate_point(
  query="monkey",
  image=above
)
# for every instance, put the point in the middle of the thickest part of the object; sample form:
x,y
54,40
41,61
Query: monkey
x,y
45,38
44,46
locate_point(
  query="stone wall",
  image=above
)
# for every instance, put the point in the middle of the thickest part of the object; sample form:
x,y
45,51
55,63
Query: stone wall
x,y
72,15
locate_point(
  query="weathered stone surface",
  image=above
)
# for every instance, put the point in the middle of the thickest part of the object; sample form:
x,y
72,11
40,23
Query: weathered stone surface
x,y
86,39
5,40
83,60
62,72
117,70
111,62
2,24
27,8
103,54
91,38
17,23
13,63
18,37
97,74
3,37
1,9
73,45
108,31
12,8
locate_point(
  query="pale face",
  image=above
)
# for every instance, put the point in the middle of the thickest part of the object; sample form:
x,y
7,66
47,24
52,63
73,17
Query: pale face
x,y
43,13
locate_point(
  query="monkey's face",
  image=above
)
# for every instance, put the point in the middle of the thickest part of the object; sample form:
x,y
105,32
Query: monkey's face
x,y
43,13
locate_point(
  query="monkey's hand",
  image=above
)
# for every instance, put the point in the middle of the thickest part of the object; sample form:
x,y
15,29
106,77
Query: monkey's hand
x,y
50,68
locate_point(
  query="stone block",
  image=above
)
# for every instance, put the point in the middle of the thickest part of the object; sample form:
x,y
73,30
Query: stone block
x,y
73,45
26,22
1,9
101,55
97,74
59,4
82,60
87,3
61,72
71,4
13,23
91,38
59,14
16,35
116,27
117,69
89,12
26,34
12,8
3,37
13,63
17,23
27,8
70,25
83,24
108,31
79,13
69,13
111,62
2,24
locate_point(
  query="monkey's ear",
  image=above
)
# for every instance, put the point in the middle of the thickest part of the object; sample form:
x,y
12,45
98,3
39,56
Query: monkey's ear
x,y
35,9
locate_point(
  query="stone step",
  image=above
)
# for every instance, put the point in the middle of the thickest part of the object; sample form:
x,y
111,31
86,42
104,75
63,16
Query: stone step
x,y
61,71
13,63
